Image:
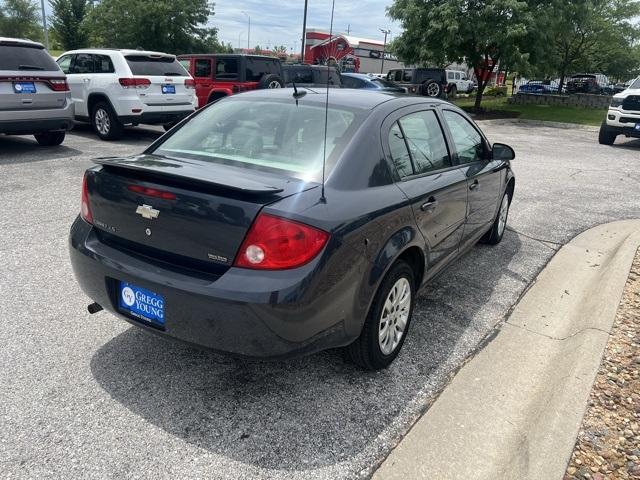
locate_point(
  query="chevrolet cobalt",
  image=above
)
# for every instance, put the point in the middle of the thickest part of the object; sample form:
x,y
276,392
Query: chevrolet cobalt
x,y
277,223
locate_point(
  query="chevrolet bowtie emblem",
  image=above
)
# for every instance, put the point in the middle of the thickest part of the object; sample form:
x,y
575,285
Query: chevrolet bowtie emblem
x,y
147,211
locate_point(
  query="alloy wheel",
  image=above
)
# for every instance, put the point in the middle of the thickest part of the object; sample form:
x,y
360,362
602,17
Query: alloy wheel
x,y
394,316
103,122
433,90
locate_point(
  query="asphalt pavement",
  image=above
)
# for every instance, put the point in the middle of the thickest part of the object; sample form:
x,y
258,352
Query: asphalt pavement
x,y
92,397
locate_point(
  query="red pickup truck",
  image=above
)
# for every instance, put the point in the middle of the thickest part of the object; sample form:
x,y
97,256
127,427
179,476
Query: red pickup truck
x,y
220,75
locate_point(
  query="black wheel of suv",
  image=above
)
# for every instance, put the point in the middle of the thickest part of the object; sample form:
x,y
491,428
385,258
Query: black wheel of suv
x,y
50,139
387,323
494,236
270,80
105,122
431,88
453,93
607,135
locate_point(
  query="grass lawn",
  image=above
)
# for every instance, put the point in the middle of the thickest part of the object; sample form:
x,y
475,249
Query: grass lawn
x,y
583,116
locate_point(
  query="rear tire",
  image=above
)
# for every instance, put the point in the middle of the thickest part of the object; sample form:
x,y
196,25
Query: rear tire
x,y
431,88
270,80
50,139
370,350
494,236
105,122
606,136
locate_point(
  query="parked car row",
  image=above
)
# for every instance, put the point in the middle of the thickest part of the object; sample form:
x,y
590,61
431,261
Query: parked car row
x,y
593,83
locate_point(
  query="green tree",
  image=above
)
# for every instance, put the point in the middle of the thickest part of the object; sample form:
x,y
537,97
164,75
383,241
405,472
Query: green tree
x,y
20,19
592,35
481,33
67,23
176,26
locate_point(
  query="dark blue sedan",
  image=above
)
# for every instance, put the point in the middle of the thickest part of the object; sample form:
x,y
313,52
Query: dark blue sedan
x,y
361,80
272,224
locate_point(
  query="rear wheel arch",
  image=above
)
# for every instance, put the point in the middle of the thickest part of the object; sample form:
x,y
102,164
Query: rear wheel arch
x,y
215,96
415,258
95,98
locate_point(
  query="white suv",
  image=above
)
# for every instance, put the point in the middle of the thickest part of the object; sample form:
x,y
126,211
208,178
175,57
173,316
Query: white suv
x,y
113,88
458,82
623,117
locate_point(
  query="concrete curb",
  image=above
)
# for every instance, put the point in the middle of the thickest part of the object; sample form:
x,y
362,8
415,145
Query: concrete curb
x,y
514,410
539,123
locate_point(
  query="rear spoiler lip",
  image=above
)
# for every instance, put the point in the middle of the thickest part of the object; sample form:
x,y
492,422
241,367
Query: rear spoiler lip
x,y
246,186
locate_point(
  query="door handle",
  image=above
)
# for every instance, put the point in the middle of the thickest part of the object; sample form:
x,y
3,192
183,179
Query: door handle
x,y
429,204
474,185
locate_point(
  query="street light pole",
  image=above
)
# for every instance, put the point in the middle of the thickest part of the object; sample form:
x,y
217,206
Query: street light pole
x,y
44,24
304,30
384,48
248,30
240,36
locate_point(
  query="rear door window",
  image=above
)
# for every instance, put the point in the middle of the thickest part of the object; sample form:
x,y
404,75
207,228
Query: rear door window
x,y
83,64
155,66
226,69
202,68
407,76
257,68
425,141
25,59
103,64
399,153
300,75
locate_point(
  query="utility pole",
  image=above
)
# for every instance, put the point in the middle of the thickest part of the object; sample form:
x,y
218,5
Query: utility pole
x,y
384,48
44,24
248,30
348,29
304,31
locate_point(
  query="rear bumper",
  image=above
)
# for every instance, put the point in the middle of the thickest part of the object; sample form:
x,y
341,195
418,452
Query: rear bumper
x,y
247,313
157,118
28,122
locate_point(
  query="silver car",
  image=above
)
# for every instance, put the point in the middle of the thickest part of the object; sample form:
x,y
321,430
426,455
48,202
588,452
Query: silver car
x,y
34,94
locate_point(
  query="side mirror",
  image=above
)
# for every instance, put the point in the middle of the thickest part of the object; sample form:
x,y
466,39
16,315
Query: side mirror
x,y
503,152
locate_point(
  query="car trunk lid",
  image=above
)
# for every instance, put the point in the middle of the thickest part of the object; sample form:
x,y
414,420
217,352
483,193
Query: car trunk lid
x,y
192,214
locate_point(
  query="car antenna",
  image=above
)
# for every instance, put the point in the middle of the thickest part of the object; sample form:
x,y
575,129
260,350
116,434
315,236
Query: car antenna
x,y
297,95
323,199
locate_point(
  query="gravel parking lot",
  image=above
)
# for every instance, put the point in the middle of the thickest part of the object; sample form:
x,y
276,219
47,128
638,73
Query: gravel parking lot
x,y
90,396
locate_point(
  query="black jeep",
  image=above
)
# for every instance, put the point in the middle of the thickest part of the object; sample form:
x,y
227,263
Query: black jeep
x,y
430,82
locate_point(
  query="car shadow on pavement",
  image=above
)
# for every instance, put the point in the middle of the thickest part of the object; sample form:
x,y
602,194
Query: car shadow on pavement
x,y
629,143
25,149
316,411
132,135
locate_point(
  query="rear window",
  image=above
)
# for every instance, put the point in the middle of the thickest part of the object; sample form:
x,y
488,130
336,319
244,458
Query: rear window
x,y
298,75
256,68
155,66
13,57
272,136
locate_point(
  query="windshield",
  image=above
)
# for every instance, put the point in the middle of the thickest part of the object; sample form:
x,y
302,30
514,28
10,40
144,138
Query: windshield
x,y
155,66
26,59
266,135
636,84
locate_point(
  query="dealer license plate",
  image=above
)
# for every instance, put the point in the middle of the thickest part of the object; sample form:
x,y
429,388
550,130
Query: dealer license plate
x,y
24,87
141,303
168,89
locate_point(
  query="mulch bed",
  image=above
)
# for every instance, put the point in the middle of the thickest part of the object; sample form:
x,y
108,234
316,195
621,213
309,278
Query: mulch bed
x,y
608,444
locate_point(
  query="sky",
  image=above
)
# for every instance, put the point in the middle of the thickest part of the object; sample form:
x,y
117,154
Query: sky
x,y
280,22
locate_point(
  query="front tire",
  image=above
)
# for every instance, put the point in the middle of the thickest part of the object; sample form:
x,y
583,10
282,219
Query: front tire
x,y
50,139
105,122
494,236
387,323
606,136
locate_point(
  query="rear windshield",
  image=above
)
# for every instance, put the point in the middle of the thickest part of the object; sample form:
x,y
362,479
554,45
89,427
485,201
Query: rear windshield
x,y
13,57
265,135
155,66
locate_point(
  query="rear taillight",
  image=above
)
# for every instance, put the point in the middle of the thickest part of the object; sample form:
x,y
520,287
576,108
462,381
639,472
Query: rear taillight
x,y
59,85
85,208
275,243
134,82
190,83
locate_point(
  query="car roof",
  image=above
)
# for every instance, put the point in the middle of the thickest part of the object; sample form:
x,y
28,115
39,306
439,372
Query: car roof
x,y
20,42
358,99
123,51
228,55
